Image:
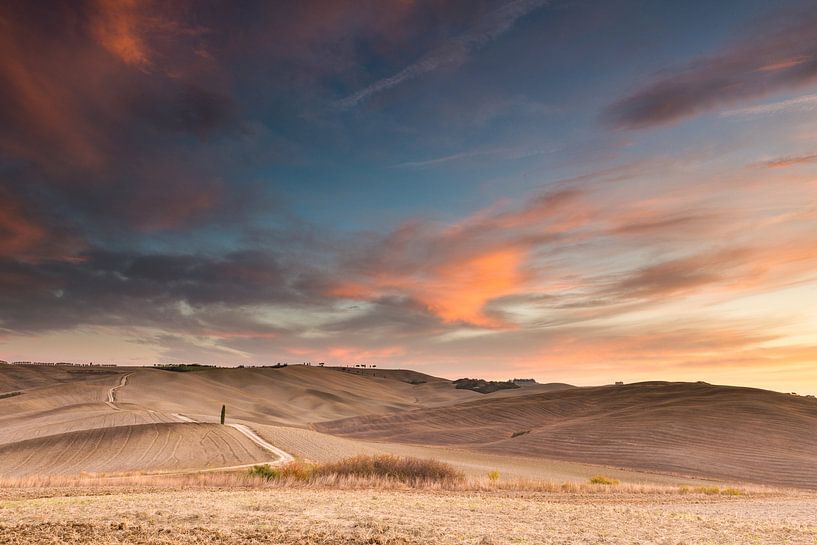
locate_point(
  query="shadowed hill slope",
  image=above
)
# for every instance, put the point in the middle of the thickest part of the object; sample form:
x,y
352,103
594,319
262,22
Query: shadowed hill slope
x,y
723,432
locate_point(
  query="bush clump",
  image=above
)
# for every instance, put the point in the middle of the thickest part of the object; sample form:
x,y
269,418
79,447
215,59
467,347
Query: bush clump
x,y
412,471
294,471
398,468
601,479
483,386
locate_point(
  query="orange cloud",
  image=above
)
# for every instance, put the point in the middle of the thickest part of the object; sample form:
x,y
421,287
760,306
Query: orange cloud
x,y
459,292
119,28
46,116
455,291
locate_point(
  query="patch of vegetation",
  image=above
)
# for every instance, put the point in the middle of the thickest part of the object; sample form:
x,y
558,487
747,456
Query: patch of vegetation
x,y
483,386
416,381
601,479
731,492
9,394
708,490
493,476
184,367
412,471
403,469
518,433
294,471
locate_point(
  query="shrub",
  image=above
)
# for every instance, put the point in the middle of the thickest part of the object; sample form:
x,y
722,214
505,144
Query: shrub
x,y
483,386
683,489
493,476
295,471
601,479
412,471
397,468
518,433
731,492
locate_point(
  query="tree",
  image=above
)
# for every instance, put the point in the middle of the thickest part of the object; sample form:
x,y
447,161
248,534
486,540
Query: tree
x,y
223,413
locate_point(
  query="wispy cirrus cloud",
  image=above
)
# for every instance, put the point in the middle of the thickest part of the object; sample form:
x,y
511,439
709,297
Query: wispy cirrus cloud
x,y
781,59
790,161
807,103
453,52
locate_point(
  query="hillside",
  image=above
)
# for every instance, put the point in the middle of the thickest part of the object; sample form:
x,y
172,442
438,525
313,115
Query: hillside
x,y
166,446
696,429
79,419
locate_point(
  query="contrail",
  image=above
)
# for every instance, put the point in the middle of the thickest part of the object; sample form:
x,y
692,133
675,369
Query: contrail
x,y
454,52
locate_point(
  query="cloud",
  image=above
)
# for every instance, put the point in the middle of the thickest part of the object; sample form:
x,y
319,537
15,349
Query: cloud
x,y
25,235
453,52
455,271
120,27
805,103
785,162
778,60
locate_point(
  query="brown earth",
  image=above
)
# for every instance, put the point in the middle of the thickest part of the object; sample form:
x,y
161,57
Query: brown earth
x,y
402,517
61,423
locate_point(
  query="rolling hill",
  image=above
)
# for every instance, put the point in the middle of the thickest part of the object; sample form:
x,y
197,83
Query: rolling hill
x,y
68,420
721,432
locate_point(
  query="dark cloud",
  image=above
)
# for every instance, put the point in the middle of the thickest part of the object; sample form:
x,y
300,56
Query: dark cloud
x,y
106,288
775,59
188,109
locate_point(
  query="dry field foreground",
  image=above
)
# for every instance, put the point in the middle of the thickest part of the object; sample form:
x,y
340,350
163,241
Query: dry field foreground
x,y
333,517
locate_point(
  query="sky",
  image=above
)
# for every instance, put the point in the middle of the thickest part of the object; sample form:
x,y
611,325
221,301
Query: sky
x,y
575,191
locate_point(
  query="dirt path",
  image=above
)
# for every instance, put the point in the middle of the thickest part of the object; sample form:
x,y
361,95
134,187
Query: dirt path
x,y
111,401
283,456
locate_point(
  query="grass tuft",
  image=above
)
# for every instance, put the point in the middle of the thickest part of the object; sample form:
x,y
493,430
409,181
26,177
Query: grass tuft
x,y
493,476
601,479
293,471
708,490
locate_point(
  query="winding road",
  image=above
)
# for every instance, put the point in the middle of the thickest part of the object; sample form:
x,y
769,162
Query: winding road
x,y
283,457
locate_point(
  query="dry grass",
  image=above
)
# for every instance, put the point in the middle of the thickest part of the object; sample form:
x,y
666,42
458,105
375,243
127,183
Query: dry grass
x,y
36,485
413,471
601,479
310,516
